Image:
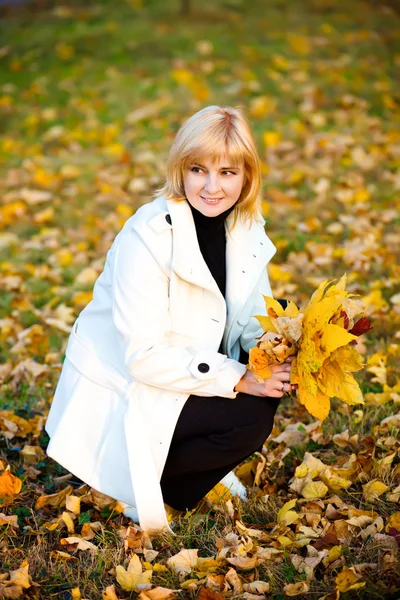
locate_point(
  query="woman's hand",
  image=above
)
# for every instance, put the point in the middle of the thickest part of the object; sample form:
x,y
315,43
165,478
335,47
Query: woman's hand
x,y
276,386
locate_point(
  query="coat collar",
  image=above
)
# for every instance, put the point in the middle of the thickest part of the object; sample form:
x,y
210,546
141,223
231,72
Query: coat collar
x,y
248,250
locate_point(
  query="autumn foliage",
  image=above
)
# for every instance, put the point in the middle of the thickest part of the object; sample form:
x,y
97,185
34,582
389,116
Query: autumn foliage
x,y
322,340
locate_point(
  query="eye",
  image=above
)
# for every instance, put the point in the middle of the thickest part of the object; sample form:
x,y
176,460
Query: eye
x,y
231,172
195,170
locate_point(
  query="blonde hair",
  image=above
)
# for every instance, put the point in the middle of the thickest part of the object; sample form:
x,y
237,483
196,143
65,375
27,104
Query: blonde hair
x,y
212,132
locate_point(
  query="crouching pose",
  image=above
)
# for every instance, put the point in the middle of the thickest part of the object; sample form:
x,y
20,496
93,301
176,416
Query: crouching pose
x,y
154,404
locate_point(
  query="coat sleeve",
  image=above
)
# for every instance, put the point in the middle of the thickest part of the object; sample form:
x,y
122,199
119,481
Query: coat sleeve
x,y
253,328
140,291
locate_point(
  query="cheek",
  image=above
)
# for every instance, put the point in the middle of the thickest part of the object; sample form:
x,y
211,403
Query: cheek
x,y
237,186
189,183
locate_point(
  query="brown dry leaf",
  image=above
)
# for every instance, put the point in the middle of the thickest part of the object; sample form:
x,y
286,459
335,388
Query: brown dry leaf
x,y
9,520
257,587
55,500
232,578
73,504
15,423
88,531
58,554
206,594
12,591
81,544
244,562
295,589
215,582
192,584
99,499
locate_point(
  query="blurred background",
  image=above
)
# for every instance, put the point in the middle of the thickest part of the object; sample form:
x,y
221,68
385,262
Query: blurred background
x,y
92,94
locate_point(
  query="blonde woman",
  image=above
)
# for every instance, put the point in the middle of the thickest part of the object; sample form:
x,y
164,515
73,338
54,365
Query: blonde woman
x,y
154,404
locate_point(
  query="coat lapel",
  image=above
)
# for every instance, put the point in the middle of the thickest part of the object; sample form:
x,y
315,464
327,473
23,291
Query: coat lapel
x,y
248,250
187,259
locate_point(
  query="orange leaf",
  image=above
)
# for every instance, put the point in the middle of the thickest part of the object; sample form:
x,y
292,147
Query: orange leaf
x,y
10,485
260,364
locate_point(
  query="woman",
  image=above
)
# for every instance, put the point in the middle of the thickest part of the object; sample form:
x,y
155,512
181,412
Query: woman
x,y
154,403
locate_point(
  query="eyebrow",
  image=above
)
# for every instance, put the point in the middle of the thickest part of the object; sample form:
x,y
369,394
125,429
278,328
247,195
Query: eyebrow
x,y
221,169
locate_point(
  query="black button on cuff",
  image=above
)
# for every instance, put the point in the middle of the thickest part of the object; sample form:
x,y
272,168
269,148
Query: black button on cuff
x,y
203,368
168,219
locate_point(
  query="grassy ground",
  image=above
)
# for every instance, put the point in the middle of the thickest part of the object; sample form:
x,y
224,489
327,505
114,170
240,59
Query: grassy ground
x,y
90,99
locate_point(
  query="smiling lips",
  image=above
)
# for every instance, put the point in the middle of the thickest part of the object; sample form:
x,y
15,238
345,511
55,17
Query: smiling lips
x,y
211,200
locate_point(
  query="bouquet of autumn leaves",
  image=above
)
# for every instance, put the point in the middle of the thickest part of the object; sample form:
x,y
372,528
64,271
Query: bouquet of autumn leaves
x,y
322,340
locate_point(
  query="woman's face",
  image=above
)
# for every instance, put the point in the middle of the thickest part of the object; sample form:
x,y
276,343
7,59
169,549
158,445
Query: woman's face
x,y
212,188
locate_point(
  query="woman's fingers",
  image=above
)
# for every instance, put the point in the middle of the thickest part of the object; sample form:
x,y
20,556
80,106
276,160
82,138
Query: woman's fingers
x,y
279,368
281,376
277,387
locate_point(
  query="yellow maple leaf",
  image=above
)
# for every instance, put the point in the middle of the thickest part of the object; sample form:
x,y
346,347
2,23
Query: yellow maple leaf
x,y
318,404
348,580
331,338
313,490
219,493
373,489
325,359
133,576
333,381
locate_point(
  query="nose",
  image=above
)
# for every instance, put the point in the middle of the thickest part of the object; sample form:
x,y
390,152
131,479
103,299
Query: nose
x,y
212,185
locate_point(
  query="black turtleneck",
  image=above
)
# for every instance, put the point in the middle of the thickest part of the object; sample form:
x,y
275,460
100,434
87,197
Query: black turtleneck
x,y
211,237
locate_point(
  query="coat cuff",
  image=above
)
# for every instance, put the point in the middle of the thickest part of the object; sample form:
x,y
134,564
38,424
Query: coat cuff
x,y
221,372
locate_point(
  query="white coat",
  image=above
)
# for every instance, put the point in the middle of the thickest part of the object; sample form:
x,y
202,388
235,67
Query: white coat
x,y
148,339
